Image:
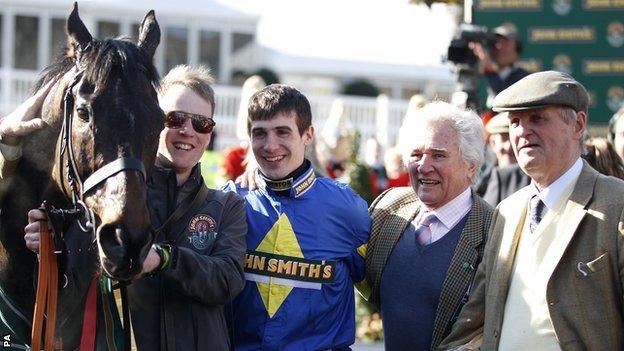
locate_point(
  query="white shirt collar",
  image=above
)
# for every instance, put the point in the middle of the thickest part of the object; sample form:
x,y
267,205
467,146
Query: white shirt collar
x,y
454,210
551,193
504,72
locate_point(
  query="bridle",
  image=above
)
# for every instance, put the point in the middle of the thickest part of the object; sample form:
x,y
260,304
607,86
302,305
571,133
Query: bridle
x,y
53,254
77,185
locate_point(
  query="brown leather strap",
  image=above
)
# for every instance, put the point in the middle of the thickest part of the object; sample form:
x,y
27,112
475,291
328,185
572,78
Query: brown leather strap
x,y
37,327
47,292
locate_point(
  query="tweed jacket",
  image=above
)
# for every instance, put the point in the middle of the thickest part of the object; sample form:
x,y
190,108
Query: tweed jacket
x,y
391,213
584,292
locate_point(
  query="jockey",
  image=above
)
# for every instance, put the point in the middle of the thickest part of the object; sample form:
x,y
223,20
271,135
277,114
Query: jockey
x,y
306,240
195,266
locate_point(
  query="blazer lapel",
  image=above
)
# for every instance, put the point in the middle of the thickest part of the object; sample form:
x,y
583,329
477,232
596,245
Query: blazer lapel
x,y
574,212
460,272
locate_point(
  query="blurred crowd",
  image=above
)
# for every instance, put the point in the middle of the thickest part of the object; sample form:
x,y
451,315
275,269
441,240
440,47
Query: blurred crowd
x,y
334,152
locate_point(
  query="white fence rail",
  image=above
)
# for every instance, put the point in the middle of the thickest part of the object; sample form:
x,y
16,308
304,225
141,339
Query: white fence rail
x,y
361,113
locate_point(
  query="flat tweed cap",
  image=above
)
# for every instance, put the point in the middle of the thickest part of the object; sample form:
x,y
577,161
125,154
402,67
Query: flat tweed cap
x,y
540,90
499,124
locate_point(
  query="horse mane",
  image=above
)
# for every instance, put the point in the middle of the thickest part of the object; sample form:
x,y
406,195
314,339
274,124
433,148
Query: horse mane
x,y
102,58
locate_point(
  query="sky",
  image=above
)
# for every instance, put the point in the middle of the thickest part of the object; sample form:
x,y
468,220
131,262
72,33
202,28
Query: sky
x,y
385,31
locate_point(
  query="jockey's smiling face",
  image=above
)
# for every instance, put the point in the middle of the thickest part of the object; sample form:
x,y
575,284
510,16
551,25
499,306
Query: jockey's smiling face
x,y
181,145
278,145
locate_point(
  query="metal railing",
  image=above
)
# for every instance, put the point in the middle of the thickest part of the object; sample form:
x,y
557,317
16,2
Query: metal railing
x,y
361,113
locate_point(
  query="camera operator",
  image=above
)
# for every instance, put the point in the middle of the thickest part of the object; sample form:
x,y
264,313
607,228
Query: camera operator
x,y
499,64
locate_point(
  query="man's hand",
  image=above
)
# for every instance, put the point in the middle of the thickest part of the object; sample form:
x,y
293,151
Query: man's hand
x,y
24,119
489,66
250,179
152,261
32,230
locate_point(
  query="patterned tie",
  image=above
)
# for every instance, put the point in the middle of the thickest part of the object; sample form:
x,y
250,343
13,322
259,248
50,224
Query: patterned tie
x,y
537,210
423,232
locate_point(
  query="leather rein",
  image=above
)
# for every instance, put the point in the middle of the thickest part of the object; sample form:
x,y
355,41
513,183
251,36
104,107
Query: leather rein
x,y
52,244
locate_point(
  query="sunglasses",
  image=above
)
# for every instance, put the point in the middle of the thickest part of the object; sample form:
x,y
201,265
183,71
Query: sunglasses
x,y
201,123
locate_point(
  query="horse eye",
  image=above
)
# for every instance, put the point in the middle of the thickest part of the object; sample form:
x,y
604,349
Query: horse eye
x,y
83,113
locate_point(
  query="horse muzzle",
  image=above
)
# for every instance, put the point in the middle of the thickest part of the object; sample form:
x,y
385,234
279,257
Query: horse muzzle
x,y
121,256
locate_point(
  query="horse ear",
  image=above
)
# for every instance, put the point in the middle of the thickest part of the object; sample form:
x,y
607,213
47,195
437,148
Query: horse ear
x,y
78,33
149,34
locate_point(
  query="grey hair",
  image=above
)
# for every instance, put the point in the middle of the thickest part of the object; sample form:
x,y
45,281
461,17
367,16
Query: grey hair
x,y
466,123
569,116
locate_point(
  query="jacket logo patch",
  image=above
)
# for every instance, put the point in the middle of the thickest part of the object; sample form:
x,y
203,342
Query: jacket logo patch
x,y
201,231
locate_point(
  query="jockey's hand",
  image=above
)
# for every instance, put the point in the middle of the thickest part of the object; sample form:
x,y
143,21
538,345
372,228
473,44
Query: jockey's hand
x,y
25,120
152,261
251,179
32,230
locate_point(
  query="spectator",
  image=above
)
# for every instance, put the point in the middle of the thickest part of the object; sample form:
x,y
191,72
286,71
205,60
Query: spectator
x,y
499,64
234,161
551,273
616,132
209,162
426,239
372,158
601,155
507,177
395,169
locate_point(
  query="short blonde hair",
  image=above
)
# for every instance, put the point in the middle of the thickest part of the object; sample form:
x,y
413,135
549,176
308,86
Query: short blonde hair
x,y
196,78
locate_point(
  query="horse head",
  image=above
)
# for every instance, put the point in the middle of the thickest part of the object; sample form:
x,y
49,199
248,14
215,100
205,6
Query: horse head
x,y
108,107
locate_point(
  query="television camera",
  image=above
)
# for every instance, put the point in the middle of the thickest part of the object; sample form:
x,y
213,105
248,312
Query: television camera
x,y
460,53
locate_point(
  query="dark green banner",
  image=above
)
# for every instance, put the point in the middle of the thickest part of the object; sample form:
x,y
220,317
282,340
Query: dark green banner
x,y
584,38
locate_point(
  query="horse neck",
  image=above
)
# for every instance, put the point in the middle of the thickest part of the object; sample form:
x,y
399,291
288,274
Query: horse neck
x,y
23,192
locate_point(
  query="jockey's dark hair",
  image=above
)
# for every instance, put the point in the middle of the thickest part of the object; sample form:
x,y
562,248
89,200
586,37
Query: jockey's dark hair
x,y
276,98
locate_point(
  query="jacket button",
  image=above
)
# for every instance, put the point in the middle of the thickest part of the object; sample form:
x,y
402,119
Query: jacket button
x,y
496,334
552,303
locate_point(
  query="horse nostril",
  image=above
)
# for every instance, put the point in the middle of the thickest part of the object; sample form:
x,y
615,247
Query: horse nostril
x,y
112,239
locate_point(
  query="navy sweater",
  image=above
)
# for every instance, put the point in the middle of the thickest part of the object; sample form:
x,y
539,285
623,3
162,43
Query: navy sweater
x,y
410,288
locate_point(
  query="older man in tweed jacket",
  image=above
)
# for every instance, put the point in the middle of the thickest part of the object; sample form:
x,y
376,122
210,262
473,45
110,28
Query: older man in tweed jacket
x,y
427,239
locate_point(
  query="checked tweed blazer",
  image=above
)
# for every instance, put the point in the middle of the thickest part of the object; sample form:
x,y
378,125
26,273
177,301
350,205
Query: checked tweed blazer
x,y
391,213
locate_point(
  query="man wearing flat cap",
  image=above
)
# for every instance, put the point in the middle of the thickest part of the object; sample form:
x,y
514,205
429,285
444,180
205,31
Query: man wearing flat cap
x,y
551,276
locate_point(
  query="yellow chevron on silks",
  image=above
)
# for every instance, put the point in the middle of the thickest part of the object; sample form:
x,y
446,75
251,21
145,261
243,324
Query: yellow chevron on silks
x,y
280,240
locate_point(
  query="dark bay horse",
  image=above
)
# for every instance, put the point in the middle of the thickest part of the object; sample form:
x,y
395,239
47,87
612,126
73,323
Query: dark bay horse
x,y
106,92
